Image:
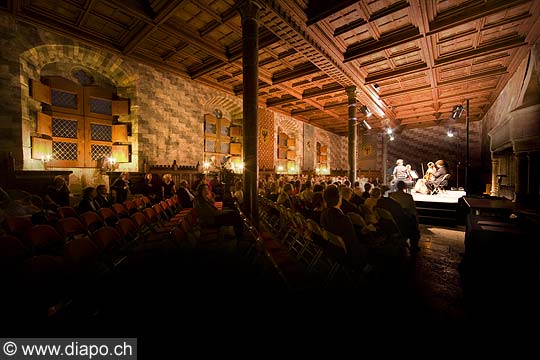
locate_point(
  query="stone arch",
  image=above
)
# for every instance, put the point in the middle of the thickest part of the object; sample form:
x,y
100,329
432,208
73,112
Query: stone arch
x,y
228,105
109,66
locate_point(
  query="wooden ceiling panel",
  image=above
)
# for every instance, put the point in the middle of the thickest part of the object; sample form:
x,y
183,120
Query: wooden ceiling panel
x,y
411,61
393,21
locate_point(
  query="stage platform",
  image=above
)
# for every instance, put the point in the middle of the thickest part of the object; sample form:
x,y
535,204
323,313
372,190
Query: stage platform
x,y
450,197
440,209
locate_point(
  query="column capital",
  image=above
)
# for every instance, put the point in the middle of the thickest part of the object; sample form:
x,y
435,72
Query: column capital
x,y
351,91
249,9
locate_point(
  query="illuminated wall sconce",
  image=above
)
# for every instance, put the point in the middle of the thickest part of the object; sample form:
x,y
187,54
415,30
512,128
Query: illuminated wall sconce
x,y
391,138
389,131
450,133
280,168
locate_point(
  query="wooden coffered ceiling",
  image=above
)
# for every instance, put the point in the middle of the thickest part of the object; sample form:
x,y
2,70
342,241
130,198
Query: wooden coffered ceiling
x,y
411,61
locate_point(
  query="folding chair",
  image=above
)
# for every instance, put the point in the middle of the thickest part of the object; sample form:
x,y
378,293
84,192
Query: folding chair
x,y
440,186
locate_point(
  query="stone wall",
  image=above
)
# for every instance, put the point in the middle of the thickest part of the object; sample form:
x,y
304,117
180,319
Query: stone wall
x,y
166,111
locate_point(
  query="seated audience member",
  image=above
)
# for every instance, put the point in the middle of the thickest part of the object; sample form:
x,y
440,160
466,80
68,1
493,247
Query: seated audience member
x,y
151,188
102,198
88,201
334,221
317,207
273,192
238,193
57,193
346,205
121,187
408,223
210,215
307,194
373,198
185,195
285,197
318,188
168,188
357,189
367,190
404,199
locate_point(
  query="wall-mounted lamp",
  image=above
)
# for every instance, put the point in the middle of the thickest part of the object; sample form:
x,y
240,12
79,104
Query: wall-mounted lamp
x,y
391,138
450,133
389,131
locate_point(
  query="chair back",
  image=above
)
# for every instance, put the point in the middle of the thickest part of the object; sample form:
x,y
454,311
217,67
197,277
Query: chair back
x,y
335,240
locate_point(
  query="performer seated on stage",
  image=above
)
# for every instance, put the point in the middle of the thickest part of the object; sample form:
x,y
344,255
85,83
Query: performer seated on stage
x,y
438,175
420,186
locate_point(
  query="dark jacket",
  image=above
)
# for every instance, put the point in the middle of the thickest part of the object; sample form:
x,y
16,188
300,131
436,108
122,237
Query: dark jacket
x,y
103,201
347,207
206,210
185,199
334,221
88,205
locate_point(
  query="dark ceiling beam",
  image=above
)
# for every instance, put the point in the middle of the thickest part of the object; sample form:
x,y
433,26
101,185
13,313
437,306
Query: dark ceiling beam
x,y
406,91
280,101
64,29
470,11
193,38
89,4
400,5
307,110
326,89
266,38
149,28
318,10
400,36
301,70
492,47
479,75
226,16
138,8
398,72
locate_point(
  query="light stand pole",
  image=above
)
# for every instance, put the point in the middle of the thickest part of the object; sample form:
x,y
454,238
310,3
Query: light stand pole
x,y
467,151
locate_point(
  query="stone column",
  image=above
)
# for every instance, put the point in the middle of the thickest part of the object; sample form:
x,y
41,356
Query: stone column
x,y
249,11
351,96
494,181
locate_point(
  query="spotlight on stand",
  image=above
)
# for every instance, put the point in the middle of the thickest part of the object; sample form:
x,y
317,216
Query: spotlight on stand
x,y
365,125
364,109
457,111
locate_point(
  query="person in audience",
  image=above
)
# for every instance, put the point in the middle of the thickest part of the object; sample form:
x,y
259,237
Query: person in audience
x,y
398,215
367,189
357,189
285,197
346,205
102,198
373,198
238,193
210,215
202,180
334,221
57,193
273,192
307,194
88,201
262,188
296,187
168,188
404,199
317,207
318,188
121,187
185,195
151,188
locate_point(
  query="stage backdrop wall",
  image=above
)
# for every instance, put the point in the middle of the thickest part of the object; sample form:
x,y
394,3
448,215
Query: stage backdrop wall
x,y
419,146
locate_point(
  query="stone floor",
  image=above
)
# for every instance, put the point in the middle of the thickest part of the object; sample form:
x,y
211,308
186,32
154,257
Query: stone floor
x,y
435,270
